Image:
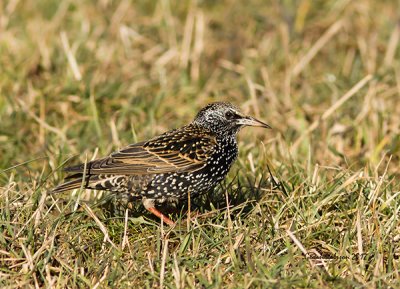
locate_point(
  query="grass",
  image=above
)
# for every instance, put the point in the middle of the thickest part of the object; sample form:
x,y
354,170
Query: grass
x,y
80,79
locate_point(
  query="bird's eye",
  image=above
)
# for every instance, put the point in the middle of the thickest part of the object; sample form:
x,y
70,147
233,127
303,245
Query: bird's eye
x,y
229,115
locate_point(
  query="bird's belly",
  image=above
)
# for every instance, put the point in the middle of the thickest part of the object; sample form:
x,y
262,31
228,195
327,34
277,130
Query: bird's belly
x,y
179,185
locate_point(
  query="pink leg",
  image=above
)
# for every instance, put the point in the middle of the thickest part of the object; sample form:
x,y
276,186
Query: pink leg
x,y
149,205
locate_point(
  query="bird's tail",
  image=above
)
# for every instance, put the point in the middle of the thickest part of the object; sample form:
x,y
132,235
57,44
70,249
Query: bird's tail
x,y
70,185
97,182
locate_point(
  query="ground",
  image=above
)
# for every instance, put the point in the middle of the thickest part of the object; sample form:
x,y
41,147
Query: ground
x,y
313,203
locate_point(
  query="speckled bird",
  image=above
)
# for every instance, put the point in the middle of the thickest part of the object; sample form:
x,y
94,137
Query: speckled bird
x,y
189,160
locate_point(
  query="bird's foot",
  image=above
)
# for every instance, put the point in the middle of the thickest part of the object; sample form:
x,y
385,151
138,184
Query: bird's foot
x,y
191,215
163,217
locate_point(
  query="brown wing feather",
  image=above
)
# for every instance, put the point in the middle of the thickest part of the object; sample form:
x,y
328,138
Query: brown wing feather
x,y
186,149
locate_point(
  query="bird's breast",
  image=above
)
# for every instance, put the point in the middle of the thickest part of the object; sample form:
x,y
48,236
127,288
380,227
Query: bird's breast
x,y
222,159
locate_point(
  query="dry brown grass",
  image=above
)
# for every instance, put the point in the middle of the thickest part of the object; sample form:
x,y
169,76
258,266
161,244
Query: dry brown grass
x,y
86,77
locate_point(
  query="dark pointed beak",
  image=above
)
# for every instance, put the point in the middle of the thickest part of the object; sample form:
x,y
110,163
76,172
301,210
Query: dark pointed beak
x,y
251,121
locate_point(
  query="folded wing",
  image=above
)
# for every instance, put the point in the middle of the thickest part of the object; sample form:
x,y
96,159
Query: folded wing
x,y
186,149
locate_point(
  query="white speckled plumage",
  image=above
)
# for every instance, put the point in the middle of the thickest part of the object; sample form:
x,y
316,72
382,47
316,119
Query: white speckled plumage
x,y
192,159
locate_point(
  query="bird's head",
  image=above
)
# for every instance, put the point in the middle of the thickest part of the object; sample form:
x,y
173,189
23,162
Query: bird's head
x,y
225,118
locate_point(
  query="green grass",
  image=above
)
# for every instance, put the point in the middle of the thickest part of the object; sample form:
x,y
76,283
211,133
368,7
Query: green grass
x,y
80,79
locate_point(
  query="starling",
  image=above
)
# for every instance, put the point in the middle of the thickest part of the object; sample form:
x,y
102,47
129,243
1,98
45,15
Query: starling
x,y
189,160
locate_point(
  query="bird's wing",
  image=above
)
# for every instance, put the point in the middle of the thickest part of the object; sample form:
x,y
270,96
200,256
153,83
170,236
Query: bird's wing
x,y
181,150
